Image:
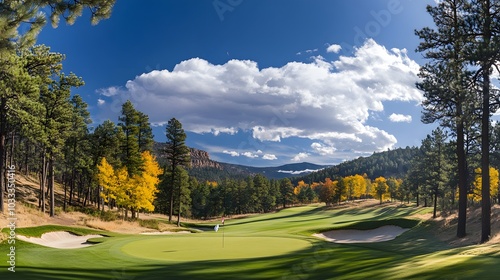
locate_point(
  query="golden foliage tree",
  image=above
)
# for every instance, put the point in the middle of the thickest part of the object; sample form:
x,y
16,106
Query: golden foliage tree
x,y
143,187
380,188
494,180
355,186
135,193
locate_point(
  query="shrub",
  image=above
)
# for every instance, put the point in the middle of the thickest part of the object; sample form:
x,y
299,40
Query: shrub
x,y
153,224
108,216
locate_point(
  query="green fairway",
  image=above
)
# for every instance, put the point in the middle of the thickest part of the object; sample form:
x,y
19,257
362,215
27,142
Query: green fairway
x,y
269,246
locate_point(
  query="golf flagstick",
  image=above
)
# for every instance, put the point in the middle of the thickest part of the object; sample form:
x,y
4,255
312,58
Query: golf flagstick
x,y
222,232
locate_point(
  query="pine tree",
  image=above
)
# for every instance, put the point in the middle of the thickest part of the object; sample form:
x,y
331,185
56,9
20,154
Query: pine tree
x,y
131,157
77,149
57,124
446,84
484,20
145,135
286,191
178,155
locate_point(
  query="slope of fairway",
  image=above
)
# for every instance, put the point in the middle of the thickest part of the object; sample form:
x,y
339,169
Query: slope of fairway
x,y
269,246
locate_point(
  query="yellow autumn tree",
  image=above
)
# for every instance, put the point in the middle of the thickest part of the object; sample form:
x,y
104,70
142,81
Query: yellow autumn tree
x,y
107,180
134,193
355,186
380,188
299,186
494,180
143,187
121,190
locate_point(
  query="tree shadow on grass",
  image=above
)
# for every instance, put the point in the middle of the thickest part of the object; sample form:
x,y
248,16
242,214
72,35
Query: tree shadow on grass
x,y
323,260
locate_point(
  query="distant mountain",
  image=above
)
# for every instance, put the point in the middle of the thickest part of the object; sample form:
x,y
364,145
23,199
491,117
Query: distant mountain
x,y
282,171
203,168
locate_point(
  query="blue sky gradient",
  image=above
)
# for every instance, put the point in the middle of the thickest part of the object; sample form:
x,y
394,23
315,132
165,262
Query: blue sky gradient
x,y
258,82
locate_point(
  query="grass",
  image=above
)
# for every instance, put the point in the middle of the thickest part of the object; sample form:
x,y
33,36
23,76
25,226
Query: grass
x,y
270,246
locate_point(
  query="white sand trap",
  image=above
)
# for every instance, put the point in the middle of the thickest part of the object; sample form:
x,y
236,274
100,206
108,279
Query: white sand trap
x,y
380,234
60,240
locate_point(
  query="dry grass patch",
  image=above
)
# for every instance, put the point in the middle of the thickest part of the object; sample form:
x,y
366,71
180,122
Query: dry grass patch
x,y
447,226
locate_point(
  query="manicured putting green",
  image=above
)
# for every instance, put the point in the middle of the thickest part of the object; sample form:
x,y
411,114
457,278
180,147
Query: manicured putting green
x,y
197,248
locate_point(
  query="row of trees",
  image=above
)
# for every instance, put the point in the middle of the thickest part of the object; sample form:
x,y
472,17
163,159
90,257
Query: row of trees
x,y
434,172
463,52
35,104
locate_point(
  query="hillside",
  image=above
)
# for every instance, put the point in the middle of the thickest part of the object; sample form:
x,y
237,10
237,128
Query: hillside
x,y
392,163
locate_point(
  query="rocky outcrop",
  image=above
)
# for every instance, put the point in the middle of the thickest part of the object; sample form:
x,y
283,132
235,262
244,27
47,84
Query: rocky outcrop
x,y
200,159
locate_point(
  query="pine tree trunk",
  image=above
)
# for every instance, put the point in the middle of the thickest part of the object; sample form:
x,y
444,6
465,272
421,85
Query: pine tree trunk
x,y
485,162
3,131
180,205
172,193
65,193
43,180
12,145
26,158
435,205
51,185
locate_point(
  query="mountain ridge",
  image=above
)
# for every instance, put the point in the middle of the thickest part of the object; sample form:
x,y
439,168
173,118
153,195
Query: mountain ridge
x,y
204,168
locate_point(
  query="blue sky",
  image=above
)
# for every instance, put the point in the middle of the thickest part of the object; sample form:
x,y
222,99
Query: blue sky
x,y
258,82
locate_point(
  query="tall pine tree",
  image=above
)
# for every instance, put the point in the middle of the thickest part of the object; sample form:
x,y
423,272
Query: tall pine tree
x,y
178,155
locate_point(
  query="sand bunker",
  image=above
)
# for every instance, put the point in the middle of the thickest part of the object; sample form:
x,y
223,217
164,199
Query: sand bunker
x,y
60,240
380,234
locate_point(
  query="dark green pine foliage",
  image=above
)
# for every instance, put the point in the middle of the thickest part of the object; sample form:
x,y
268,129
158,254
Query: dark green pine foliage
x,y
286,192
23,20
106,142
56,124
19,92
145,137
77,151
436,166
177,155
130,157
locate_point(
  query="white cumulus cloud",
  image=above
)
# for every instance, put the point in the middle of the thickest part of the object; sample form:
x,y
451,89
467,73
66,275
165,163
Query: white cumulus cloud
x,y
300,157
400,118
232,153
249,155
269,157
110,91
333,48
327,102
322,149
